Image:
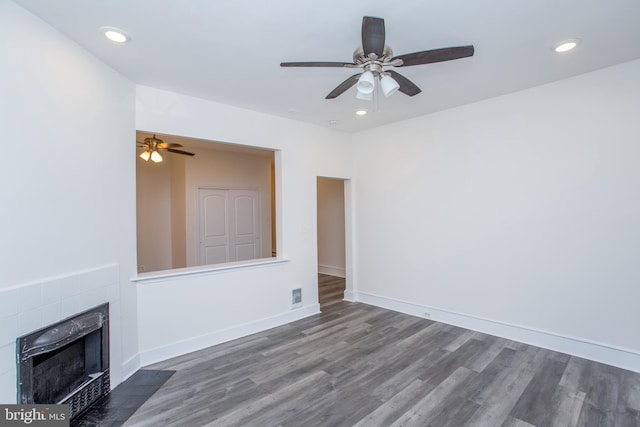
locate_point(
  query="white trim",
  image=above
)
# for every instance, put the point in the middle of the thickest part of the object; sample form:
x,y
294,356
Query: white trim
x,y
350,296
581,347
332,271
198,270
130,367
189,345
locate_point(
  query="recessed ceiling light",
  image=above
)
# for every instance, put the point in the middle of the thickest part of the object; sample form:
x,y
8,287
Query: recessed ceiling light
x,y
566,45
115,34
361,112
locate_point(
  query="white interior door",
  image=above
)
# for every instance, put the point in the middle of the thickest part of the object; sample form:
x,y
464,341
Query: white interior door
x,y
214,226
229,225
244,225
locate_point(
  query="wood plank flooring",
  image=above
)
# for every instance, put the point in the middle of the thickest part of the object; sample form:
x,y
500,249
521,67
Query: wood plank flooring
x,y
330,290
359,365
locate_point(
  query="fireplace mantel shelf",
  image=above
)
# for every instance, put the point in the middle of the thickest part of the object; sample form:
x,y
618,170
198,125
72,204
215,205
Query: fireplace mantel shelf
x,y
205,269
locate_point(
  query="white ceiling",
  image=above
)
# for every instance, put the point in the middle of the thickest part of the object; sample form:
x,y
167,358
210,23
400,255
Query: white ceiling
x,y
229,51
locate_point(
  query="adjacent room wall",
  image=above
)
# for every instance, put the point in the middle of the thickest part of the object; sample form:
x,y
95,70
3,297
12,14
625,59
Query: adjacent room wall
x,y
178,212
68,195
517,215
155,208
183,313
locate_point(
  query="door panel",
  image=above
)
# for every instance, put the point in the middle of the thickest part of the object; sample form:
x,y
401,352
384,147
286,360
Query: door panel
x,y
215,254
214,225
244,217
245,214
245,252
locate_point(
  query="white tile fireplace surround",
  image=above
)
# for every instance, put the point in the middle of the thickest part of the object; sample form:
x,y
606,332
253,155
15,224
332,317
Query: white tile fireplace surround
x,y
31,306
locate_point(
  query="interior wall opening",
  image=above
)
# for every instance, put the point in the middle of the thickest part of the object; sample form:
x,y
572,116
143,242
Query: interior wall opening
x,y
331,226
205,202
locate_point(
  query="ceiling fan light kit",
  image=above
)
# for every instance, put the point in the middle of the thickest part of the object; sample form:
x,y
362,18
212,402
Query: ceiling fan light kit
x,y
156,157
366,83
145,155
364,96
388,85
375,55
153,145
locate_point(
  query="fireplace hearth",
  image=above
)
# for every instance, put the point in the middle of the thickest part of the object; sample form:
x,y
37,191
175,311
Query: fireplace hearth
x,y
66,363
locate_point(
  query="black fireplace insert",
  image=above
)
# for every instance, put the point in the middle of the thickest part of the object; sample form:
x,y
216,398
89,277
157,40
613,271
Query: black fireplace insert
x,y
66,363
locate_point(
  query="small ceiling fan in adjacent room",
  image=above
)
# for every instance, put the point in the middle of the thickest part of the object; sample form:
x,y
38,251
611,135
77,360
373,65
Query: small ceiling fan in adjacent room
x,y
154,145
374,56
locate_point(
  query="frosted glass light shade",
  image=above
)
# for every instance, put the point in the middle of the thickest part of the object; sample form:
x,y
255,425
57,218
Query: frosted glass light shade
x,y
156,157
145,155
389,85
364,96
366,82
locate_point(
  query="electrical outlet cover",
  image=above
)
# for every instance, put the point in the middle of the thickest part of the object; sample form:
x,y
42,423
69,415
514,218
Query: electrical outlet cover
x,y
296,297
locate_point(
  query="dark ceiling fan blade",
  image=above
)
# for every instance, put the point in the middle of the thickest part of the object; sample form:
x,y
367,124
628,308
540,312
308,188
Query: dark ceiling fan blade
x,y
186,153
169,145
342,87
435,55
373,35
406,86
316,64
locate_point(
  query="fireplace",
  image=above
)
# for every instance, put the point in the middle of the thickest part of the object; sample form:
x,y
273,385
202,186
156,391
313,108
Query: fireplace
x,y
66,363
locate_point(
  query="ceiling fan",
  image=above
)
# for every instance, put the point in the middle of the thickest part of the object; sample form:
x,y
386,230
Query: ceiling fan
x,y
374,55
153,145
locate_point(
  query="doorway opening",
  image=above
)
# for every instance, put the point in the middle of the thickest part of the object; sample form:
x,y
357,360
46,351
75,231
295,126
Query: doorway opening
x,y
332,242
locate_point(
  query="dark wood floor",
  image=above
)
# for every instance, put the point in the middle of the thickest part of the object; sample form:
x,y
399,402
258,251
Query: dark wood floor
x,y
355,364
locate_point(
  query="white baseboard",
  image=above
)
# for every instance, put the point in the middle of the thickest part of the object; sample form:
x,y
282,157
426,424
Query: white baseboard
x,y
130,366
189,345
351,296
332,271
599,352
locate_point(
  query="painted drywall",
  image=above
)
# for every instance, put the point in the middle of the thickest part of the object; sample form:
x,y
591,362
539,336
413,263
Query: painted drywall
x,y
331,227
522,210
68,196
154,214
182,313
178,212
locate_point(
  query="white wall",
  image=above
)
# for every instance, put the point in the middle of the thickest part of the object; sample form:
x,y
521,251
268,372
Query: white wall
x,y
154,213
179,314
178,212
68,201
331,227
519,214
